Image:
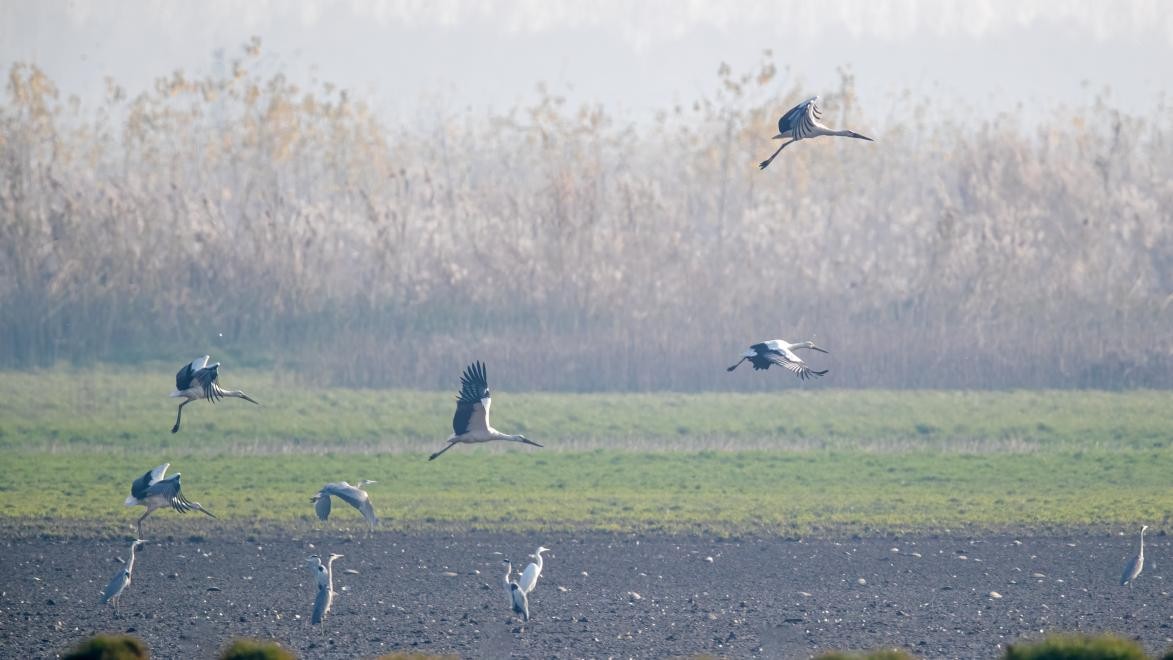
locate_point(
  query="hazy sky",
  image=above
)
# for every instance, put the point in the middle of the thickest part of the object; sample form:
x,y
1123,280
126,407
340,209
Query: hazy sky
x,y
634,57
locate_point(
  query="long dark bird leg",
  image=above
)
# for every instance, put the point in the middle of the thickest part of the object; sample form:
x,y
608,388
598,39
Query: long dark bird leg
x,y
766,163
450,446
743,359
179,414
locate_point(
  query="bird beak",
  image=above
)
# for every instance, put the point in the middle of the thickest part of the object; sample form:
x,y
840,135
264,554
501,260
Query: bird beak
x,y
862,137
529,442
816,348
249,399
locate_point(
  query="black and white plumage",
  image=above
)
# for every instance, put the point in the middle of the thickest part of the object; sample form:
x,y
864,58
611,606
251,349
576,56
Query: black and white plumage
x,y
470,424
1133,568
802,122
154,491
781,353
324,574
121,580
355,496
200,380
529,577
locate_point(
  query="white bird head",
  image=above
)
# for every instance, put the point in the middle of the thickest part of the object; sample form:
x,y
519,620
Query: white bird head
x,y
811,345
364,482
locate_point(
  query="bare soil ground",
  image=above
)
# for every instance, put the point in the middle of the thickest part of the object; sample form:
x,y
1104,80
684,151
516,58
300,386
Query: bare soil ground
x,y
599,595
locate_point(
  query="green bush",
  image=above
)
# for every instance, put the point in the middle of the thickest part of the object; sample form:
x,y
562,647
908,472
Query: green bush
x,y
252,649
1077,647
110,647
886,654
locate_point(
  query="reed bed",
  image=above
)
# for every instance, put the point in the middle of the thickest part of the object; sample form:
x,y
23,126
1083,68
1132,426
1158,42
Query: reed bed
x,y
285,225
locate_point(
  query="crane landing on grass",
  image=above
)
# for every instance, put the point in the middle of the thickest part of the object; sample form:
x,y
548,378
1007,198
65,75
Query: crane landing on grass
x,y
199,380
802,122
154,492
780,352
470,424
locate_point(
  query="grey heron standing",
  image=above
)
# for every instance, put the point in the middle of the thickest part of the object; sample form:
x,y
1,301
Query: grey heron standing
x,y
154,492
355,496
529,577
781,353
505,581
121,579
517,600
802,122
470,424
325,577
1136,565
200,380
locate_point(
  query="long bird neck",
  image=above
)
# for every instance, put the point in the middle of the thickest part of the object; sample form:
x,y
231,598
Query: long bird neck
x,y
538,560
1141,553
330,573
130,564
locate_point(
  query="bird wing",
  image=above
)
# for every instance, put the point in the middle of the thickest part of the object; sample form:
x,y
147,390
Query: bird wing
x,y
169,489
798,122
322,505
184,377
1130,571
529,578
355,497
207,377
794,364
139,488
321,604
520,602
470,412
116,585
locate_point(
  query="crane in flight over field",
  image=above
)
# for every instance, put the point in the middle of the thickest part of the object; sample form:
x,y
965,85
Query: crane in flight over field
x,y
199,380
154,492
781,353
1136,565
121,580
802,122
470,424
355,496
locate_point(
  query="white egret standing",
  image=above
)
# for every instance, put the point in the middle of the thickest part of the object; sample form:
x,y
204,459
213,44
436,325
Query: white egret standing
x,y
781,353
1136,565
154,492
121,580
355,496
529,577
199,380
470,424
802,122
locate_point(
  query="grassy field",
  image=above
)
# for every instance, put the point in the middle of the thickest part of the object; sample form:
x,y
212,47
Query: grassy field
x,y
791,463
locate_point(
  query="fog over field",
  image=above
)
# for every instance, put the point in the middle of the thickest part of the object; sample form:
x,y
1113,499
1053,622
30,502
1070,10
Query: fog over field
x,y
376,193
